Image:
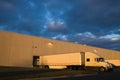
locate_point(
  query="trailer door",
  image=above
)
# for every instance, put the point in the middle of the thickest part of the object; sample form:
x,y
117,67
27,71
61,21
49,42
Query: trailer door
x,y
82,58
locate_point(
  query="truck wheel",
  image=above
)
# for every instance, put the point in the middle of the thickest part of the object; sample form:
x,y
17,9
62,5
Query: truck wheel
x,y
102,69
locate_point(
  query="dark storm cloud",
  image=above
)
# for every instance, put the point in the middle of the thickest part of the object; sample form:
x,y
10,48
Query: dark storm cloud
x,y
19,16
91,22
95,15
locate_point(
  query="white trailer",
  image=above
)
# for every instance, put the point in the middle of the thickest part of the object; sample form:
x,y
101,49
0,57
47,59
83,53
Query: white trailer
x,y
74,61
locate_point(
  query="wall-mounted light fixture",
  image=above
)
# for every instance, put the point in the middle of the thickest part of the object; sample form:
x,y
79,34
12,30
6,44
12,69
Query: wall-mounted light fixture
x,y
95,50
50,44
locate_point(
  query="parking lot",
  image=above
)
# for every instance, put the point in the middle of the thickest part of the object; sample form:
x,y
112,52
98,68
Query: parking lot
x,y
114,75
38,74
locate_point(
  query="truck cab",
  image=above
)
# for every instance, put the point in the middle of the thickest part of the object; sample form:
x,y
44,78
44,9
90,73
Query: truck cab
x,y
104,66
95,60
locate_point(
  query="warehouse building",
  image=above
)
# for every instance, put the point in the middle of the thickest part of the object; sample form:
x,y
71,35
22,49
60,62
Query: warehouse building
x,y
22,50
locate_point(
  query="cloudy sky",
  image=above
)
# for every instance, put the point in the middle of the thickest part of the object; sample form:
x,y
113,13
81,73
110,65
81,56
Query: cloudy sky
x,y
91,22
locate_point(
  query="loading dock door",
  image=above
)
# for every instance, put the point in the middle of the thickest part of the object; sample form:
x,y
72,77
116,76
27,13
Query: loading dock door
x,y
35,61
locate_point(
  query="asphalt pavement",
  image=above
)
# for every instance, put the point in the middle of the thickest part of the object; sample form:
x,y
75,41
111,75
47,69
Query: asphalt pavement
x,y
114,75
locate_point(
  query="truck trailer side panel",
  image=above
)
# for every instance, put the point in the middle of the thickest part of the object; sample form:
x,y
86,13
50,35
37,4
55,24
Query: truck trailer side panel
x,y
61,59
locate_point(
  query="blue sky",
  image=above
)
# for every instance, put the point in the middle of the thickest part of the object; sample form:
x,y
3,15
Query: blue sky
x,y
91,22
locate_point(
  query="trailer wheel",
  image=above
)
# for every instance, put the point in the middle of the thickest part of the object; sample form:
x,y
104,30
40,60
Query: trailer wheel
x,y
102,69
73,68
69,67
46,67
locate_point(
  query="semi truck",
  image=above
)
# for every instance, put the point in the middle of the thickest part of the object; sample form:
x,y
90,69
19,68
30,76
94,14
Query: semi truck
x,y
75,61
